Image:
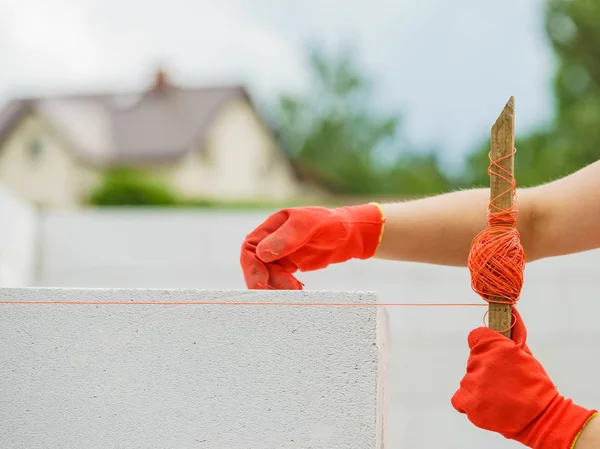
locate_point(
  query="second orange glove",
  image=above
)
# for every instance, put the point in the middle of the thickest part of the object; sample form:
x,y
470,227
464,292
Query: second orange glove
x,y
506,390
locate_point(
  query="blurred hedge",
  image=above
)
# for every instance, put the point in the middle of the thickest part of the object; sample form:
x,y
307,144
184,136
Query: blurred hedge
x,y
126,187
129,187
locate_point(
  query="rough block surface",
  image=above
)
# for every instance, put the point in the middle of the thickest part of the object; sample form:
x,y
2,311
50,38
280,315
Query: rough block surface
x,y
180,375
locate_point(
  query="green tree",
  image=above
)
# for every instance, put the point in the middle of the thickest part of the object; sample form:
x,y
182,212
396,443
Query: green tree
x,y
575,35
417,175
334,129
573,139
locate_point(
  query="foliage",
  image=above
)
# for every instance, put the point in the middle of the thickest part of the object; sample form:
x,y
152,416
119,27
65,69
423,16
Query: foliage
x,y
417,175
127,187
573,29
333,128
573,140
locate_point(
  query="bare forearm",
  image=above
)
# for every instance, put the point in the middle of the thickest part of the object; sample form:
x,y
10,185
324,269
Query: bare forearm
x,y
590,436
440,229
553,219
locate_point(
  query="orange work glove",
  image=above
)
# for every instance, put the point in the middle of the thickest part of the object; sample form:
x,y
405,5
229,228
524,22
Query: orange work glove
x,y
506,390
308,238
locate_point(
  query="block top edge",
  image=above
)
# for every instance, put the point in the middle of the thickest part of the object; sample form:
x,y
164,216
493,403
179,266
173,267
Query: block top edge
x,y
178,295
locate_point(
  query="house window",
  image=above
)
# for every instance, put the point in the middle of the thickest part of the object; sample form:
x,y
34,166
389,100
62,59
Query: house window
x,y
35,149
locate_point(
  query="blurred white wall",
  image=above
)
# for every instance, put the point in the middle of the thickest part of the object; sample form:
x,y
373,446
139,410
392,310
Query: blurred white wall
x,y
18,240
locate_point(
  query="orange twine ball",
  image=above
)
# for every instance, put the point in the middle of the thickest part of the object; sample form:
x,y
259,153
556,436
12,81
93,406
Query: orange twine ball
x,y
497,259
496,262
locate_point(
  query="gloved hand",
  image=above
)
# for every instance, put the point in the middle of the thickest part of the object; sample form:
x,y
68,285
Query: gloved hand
x,y
308,238
506,390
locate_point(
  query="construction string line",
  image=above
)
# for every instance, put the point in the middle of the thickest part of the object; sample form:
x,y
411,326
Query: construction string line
x,y
242,303
497,259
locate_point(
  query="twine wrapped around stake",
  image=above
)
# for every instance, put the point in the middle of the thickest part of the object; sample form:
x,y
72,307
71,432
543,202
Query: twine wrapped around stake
x,y
497,259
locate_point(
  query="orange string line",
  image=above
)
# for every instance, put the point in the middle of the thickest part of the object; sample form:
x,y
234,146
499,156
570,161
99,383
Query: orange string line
x,y
224,303
497,259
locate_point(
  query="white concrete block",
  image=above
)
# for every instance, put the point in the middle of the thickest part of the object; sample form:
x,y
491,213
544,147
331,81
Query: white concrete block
x,y
160,370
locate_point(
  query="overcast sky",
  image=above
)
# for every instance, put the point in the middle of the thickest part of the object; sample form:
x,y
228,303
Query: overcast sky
x,y
449,66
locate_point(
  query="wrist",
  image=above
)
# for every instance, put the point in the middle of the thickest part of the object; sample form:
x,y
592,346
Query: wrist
x,y
558,427
365,224
589,437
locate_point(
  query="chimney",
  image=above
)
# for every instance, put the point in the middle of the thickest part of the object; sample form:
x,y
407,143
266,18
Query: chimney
x,y
161,80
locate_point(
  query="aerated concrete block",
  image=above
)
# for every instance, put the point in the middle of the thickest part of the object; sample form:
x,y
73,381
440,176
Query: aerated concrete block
x,y
108,369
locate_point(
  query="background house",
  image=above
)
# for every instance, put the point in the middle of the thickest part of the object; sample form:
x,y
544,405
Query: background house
x,y
206,142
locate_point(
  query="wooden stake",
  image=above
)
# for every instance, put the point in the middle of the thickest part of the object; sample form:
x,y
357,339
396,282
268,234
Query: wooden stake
x,y
502,144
